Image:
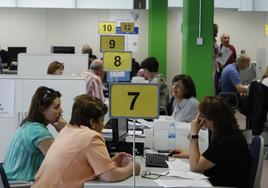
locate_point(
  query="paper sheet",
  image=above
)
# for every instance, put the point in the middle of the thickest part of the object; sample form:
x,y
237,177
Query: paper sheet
x,y
225,54
182,183
181,169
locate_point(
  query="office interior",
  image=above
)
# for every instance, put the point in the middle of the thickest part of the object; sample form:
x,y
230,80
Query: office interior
x,y
39,28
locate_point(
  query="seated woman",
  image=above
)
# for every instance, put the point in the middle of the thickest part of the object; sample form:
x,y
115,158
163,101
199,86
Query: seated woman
x,y
150,66
55,68
183,106
79,153
32,139
227,160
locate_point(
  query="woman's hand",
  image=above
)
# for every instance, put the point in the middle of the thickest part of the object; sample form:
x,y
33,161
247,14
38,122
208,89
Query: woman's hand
x,y
122,159
60,124
196,125
178,154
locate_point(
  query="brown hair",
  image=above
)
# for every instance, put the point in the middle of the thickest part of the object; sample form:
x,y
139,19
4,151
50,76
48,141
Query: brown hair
x,y
42,99
217,110
53,66
86,108
188,84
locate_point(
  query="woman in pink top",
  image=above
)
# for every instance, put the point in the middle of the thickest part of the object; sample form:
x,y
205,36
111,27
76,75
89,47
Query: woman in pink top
x,y
79,153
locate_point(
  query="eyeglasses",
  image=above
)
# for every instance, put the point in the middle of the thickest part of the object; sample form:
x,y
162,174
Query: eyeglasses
x,y
149,175
176,86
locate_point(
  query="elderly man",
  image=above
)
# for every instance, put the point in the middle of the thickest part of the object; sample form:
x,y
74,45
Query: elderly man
x,y
94,77
86,49
227,51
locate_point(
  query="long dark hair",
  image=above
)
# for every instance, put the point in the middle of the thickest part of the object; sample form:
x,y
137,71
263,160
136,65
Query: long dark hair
x,y
86,108
217,110
42,99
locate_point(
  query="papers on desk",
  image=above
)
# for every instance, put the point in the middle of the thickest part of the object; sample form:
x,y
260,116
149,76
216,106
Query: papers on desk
x,y
182,183
140,124
179,168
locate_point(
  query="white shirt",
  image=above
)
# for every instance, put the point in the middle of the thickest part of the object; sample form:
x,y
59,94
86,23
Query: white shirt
x,y
186,110
265,81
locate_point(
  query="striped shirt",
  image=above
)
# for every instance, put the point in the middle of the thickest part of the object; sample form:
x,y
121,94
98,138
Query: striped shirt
x,y
23,157
94,86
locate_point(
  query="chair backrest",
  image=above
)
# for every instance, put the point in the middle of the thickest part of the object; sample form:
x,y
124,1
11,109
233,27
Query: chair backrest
x,y
257,155
3,178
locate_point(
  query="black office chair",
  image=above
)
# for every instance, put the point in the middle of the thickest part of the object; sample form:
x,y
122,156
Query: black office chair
x,y
257,155
3,180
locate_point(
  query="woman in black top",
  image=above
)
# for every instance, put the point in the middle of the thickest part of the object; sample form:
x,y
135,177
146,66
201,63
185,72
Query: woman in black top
x,y
227,160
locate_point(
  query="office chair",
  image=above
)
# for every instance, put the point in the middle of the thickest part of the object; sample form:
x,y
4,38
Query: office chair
x,y
4,183
3,178
257,155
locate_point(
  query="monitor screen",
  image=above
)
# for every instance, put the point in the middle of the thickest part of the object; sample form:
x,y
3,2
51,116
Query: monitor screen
x,y
119,129
62,49
14,51
121,76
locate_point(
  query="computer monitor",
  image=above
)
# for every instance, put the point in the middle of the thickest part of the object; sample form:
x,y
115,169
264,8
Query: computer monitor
x,y
14,51
121,76
119,127
62,49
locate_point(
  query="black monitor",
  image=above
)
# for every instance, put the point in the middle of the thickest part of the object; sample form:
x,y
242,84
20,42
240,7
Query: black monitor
x,y
14,51
62,49
119,127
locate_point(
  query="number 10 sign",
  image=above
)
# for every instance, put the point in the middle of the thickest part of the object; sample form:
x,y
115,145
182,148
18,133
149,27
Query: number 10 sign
x,y
134,100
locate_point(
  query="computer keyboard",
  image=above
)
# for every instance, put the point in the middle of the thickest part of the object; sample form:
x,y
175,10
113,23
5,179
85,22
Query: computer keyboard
x,y
156,160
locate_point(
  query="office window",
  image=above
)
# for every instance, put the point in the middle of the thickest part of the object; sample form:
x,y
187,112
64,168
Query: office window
x,y
46,3
105,4
7,3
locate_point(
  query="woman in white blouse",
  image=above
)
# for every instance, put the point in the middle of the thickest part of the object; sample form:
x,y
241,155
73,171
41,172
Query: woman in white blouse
x,y
184,107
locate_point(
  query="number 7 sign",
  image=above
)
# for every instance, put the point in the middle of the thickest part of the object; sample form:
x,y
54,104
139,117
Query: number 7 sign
x,y
134,100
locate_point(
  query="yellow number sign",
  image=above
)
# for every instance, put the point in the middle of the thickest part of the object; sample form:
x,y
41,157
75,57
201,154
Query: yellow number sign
x,y
134,100
112,43
127,27
117,61
107,28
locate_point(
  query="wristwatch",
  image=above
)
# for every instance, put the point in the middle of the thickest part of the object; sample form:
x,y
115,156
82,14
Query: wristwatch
x,y
191,136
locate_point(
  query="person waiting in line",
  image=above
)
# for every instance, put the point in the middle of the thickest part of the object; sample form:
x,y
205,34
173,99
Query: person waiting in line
x,y
86,49
231,82
264,79
94,77
150,66
231,55
33,139
183,105
55,68
227,160
79,154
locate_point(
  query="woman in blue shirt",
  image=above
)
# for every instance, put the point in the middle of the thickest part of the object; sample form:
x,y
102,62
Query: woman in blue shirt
x,y
32,139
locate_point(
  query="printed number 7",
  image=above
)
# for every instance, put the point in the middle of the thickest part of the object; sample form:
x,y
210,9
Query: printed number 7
x,y
136,95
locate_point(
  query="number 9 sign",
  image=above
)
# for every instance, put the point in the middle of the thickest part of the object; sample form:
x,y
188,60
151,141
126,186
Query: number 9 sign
x,y
117,61
112,43
134,100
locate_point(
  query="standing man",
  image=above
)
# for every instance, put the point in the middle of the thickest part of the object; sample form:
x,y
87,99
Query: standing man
x,y
227,53
94,77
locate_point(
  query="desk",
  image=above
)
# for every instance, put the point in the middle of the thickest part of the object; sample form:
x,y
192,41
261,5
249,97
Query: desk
x,y
128,183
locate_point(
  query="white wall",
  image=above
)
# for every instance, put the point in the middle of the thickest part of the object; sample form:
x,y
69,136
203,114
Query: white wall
x,y
39,28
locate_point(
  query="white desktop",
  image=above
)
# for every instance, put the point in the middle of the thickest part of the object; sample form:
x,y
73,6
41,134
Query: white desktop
x,y
157,137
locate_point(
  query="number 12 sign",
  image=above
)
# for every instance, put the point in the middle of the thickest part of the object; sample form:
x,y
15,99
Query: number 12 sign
x,y
134,100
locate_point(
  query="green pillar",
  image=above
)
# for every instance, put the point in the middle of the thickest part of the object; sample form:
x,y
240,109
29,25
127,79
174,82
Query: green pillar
x,y
197,59
158,14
